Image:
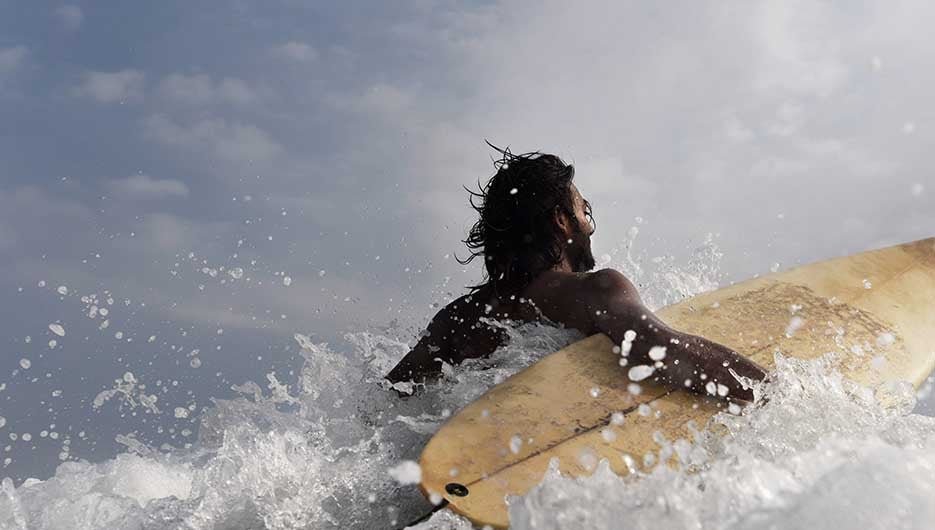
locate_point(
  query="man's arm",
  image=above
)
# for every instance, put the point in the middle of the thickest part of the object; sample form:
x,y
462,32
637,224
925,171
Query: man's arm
x,y
688,361
423,360
418,363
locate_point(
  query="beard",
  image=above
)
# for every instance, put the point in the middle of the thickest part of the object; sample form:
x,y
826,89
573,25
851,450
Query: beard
x,y
579,251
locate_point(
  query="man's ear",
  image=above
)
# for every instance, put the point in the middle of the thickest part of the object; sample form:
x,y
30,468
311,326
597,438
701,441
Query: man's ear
x,y
561,220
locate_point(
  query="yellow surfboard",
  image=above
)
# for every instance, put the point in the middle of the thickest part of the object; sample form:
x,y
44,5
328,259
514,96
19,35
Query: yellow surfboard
x,y
876,310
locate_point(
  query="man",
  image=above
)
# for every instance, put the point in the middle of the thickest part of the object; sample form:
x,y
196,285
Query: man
x,y
534,234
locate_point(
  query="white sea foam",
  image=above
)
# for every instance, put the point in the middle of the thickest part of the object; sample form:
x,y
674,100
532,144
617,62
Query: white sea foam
x,y
324,455
818,453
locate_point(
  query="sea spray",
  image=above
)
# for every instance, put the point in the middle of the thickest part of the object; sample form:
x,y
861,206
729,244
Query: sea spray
x,y
816,451
318,454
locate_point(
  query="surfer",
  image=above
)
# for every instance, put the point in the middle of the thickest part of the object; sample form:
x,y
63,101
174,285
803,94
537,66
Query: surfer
x,y
534,235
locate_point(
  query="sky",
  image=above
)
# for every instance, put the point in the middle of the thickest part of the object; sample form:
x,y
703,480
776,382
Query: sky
x,y
230,175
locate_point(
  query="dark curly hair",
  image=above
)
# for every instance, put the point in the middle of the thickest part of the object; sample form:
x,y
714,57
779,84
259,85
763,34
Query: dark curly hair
x,y
516,233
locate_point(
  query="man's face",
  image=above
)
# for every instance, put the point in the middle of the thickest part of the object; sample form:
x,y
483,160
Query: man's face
x,y
579,247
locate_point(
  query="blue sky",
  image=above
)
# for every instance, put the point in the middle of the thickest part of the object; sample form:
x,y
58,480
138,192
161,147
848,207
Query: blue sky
x,y
147,149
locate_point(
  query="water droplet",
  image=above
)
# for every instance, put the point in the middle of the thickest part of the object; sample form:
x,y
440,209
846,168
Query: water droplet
x,y
795,323
515,444
885,339
406,472
640,372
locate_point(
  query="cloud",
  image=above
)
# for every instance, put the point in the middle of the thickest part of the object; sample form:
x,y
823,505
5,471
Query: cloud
x,y
380,98
24,209
146,187
11,59
168,233
226,141
703,119
112,87
200,89
70,16
296,51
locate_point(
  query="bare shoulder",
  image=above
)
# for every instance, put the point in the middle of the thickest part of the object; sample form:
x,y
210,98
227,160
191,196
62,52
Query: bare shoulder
x,y
453,316
610,280
573,299
582,287
445,317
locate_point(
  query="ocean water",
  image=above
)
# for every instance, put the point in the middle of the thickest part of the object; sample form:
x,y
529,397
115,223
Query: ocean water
x,y
336,449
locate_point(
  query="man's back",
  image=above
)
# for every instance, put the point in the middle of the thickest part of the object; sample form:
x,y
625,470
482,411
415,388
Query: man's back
x,y
599,302
459,331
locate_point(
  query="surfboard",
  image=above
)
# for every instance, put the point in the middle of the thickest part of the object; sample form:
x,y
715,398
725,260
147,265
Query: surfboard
x,y
875,310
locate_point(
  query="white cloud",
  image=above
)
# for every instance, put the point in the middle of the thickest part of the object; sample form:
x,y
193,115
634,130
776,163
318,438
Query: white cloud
x,y
796,57
227,141
710,118
24,209
146,187
200,89
380,98
11,59
112,87
70,16
235,91
296,51
167,233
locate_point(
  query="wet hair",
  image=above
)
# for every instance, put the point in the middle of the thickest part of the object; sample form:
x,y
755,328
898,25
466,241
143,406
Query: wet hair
x,y
516,233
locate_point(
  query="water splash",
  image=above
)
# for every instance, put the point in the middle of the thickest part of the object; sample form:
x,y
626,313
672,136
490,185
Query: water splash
x,y
315,456
319,454
817,451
